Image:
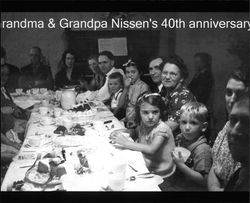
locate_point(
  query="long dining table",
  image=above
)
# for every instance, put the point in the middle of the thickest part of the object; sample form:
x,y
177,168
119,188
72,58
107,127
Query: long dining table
x,y
97,123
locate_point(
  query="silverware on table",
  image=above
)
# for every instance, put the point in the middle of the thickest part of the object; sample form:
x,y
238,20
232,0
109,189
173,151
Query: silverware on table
x,y
133,168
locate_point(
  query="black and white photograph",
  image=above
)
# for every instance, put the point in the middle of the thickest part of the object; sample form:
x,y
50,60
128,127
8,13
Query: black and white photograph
x,y
125,101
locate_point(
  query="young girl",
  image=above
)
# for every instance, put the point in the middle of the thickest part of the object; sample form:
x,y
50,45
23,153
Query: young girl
x,y
133,88
192,175
155,139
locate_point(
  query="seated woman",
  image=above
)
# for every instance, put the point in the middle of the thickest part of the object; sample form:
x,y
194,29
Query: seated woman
x,y
10,146
175,93
69,73
10,112
223,163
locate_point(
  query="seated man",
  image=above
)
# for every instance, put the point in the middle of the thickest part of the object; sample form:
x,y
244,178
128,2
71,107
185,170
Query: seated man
x,y
155,74
98,76
238,142
36,74
14,75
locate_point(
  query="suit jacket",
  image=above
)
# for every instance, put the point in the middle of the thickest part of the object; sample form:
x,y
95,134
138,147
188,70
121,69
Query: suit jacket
x,y
29,76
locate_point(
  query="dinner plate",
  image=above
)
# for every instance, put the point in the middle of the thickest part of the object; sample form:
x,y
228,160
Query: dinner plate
x,y
143,184
172,172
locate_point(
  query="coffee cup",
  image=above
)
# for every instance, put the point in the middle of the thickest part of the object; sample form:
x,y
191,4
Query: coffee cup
x,y
19,91
47,120
35,90
43,110
57,112
34,141
43,90
67,123
98,125
45,102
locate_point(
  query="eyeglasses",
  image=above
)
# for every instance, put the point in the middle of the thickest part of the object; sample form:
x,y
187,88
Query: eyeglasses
x,y
129,63
147,95
171,74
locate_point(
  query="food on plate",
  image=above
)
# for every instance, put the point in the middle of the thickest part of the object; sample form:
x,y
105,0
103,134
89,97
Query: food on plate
x,y
77,130
36,177
43,166
60,129
60,170
81,107
56,161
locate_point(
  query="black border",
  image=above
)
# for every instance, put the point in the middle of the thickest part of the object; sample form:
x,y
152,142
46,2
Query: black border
x,y
117,197
132,6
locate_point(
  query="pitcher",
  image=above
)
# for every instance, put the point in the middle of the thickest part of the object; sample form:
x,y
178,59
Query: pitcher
x,y
68,98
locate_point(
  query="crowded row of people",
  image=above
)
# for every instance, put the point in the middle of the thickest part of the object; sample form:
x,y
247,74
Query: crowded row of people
x,y
159,115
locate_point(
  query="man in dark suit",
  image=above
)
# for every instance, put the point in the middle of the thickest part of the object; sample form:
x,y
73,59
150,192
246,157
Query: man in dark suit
x,y
36,74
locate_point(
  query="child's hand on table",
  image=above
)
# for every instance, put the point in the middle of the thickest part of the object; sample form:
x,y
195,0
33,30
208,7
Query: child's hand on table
x,y
119,138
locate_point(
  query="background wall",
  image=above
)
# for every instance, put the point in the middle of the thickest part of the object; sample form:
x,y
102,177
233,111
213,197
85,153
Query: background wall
x,y
217,43
184,42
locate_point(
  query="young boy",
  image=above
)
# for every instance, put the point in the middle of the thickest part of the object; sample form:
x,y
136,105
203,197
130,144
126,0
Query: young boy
x,y
133,88
193,124
115,85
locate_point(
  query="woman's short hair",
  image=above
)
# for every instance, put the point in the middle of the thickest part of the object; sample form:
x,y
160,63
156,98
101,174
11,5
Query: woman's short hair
x,y
197,109
178,61
154,99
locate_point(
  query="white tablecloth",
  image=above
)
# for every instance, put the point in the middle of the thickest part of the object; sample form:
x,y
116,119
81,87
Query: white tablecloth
x,y
95,139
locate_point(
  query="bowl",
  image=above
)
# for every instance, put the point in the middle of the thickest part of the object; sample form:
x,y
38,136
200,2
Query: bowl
x,y
43,110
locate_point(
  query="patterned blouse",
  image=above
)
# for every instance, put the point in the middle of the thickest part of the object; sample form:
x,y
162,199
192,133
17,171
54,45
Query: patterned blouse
x,y
175,100
223,163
